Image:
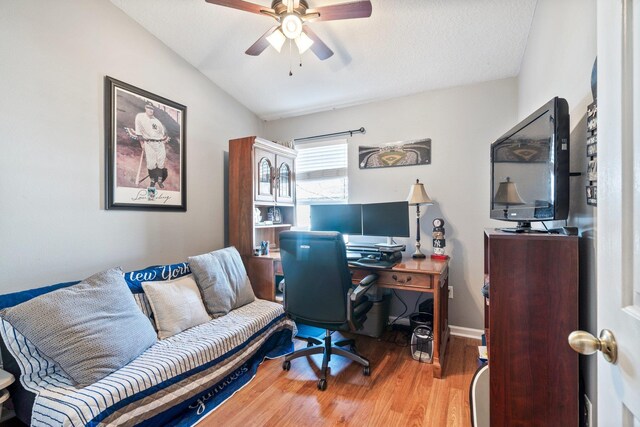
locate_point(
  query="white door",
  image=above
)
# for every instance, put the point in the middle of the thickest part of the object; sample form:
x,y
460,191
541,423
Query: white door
x,y
618,248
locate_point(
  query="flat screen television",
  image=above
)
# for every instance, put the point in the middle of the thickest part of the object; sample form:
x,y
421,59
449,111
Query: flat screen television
x,y
530,168
345,219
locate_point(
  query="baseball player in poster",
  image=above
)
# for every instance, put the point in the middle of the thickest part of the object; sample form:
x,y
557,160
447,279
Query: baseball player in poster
x,y
153,137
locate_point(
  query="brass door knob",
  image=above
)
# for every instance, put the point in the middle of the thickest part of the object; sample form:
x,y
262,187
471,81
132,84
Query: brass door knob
x,y
585,343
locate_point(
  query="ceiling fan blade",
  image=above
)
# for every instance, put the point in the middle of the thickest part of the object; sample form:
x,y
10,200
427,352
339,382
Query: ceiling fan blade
x,y
318,47
261,44
241,5
356,9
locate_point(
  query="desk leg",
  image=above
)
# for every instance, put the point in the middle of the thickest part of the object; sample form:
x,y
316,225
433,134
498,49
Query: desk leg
x,y
440,326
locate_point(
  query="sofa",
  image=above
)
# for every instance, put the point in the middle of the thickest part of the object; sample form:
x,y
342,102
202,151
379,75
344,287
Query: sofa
x,y
175,381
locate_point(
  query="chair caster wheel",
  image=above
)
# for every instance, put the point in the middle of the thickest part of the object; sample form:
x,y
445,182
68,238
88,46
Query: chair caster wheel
x,y
286,365
322,384
366,371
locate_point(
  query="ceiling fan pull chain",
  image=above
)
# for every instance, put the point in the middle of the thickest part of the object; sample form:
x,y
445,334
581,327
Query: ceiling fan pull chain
x,y
290,59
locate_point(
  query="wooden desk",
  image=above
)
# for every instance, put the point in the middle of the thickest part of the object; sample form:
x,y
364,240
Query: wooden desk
x,y
425,275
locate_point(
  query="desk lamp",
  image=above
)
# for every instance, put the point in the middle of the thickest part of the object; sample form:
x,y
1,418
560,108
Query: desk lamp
x,y
418,196
507,195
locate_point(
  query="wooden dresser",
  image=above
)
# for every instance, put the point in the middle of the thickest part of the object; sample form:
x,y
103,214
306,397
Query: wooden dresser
x,y
532,308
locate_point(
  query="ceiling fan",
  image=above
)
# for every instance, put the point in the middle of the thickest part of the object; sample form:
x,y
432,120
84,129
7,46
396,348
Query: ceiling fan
x,y
292,17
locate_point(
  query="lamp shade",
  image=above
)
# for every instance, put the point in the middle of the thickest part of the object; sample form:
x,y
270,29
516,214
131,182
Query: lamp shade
x,y
507,194
276,39
303,42
418,195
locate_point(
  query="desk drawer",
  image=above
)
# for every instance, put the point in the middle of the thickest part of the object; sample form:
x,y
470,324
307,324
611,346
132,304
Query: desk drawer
x,y
397,279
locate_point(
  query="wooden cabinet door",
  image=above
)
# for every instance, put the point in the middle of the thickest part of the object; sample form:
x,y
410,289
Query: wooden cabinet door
x,y
264,174
533,306
285,180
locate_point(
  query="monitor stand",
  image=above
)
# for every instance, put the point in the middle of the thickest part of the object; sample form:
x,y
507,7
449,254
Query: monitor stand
x,y
523,227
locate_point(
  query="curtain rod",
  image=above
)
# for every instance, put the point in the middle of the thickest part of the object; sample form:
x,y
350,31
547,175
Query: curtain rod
x,y
329,135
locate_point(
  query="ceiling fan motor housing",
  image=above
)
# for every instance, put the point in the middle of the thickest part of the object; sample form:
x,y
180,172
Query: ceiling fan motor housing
x,y
280,7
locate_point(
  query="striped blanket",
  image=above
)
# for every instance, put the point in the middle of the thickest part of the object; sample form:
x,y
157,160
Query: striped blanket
x,y
174,382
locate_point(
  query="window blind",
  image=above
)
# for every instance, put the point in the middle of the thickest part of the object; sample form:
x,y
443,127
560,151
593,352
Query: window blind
x,y
321,176
316,161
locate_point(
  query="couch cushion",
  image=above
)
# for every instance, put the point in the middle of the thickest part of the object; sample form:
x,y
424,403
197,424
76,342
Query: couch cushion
x,y
176,305
90,329
223,280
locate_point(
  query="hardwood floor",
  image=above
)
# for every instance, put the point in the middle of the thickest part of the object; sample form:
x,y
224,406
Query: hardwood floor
x,y
399,392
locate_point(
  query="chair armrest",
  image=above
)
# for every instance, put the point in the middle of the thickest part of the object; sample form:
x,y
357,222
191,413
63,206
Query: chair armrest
x,y
354,295
363,287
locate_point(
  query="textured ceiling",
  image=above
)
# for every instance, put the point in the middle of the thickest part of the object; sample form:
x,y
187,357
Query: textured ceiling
x,y
405,47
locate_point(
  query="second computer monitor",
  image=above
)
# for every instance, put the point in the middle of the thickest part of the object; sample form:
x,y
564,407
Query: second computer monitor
x,y
386,219
345,219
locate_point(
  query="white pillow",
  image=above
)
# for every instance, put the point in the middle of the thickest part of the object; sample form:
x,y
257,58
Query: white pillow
x,y
176,304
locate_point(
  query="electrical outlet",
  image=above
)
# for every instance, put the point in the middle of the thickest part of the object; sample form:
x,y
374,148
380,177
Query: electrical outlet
x,y
450,292
587,411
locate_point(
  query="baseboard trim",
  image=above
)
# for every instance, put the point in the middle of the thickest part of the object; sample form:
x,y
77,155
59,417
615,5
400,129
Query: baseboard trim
x,y
458,331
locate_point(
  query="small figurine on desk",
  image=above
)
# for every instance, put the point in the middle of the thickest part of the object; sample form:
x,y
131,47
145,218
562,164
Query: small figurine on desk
x,y
264,247
439,242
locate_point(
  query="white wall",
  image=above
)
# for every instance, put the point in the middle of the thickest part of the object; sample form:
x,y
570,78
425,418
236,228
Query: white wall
x,y
462,122
53,225
558,61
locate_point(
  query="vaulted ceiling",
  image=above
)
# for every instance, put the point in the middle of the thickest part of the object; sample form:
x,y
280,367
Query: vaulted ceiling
x,y
405,47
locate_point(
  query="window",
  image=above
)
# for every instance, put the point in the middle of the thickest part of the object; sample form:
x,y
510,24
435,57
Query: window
x,y
321,176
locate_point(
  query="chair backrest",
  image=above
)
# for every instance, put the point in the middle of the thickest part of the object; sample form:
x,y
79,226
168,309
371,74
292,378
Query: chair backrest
x,y
317,277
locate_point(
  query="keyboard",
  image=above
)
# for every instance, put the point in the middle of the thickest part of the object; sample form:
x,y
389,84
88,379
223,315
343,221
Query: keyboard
x,y
372,263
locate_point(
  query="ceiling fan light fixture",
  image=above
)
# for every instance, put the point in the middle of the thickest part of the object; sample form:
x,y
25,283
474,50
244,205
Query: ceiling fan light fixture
x,y
276,39
303,42
292,26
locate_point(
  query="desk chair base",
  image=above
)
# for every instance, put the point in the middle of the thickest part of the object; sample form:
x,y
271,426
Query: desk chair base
x,y
327,348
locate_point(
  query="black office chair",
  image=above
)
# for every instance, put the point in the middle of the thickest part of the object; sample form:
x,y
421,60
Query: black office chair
x,y
319,292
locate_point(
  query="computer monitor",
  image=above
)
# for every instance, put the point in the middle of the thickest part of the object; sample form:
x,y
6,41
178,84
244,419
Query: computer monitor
x,y
346,219
386,219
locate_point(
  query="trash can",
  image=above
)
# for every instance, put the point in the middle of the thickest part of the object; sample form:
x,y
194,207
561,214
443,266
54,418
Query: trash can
x,y
377,317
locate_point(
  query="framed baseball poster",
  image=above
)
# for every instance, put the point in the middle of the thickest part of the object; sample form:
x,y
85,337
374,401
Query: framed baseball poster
x,y
145,138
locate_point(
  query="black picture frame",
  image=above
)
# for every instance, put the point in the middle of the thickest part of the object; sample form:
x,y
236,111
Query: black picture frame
x,y
592,195
592,170
592,149
131,181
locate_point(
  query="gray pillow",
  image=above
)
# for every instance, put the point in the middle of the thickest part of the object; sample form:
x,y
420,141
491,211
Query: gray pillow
x,y
223,280
176,304
233,267
90,329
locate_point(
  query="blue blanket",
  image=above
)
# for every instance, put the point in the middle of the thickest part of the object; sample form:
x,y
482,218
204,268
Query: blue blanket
x,y
174,382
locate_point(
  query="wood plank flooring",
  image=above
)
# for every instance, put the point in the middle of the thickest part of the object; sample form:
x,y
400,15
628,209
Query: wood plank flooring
x,y
399,392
